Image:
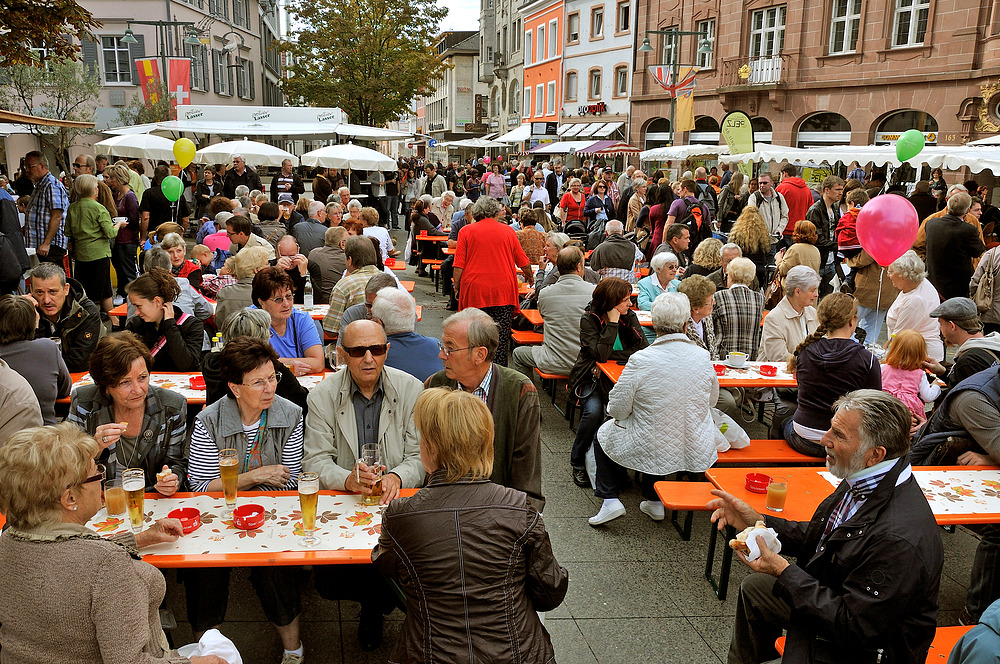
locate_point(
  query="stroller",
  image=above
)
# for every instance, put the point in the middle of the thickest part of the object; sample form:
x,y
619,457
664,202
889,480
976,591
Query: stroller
x,y
576,231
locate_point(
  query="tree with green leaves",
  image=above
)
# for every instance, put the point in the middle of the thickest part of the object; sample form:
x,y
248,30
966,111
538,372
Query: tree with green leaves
x,y
140,111
30,24
60,90
368,57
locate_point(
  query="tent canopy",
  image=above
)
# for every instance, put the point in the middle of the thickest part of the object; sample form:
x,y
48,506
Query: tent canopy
x,y
349,156
609,149
25,119
949,157
681,152
257,154
517,135
139,146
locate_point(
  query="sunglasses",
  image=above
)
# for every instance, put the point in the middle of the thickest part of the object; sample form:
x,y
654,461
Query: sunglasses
x,y
378,350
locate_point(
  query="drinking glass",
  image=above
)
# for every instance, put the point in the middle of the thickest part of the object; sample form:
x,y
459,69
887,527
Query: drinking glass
x,y
114,497
229,471
134,485
777,490
371,456
308,502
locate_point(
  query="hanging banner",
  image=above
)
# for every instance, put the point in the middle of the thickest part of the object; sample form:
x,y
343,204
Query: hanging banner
x,y
148,70
685,79
737,131
179,81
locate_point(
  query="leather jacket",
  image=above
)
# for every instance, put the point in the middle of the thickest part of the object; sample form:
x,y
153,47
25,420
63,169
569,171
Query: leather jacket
x,y
490,554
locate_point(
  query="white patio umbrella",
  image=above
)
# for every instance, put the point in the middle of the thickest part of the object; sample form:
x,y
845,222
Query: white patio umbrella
x,y
350,156
255,154
140,146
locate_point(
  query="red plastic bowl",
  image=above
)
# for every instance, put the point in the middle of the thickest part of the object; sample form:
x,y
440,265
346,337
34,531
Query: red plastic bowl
x,y
768,370
248,517
720,369
197,382
189,517
757,482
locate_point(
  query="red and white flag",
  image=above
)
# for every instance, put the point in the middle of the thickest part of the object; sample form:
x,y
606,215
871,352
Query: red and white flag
x,y
685,75
179,81
148,70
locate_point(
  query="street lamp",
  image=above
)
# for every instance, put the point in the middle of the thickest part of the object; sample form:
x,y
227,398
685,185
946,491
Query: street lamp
x,y
161,32
673,35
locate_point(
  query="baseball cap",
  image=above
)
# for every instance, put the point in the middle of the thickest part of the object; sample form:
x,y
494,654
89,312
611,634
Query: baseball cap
x,y
285,198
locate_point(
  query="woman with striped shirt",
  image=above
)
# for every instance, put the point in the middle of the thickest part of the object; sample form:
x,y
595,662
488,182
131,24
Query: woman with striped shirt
x,y
267,432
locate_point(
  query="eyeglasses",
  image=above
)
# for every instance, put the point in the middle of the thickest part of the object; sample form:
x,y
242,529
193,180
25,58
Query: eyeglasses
x,y
93,478
281,300
79,165
378,350
261,383
448,351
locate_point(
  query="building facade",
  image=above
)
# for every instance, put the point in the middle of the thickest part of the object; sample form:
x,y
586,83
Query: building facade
x,y
501,58
847,72
450,113
543,52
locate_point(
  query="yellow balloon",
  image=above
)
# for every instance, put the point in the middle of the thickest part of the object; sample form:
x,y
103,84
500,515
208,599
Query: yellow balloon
x,y
184,150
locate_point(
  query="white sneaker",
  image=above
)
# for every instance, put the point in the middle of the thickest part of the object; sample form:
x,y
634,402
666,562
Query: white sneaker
x,y
652,508
611,509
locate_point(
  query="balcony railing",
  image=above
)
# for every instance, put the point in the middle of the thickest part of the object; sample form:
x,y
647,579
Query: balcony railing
x,y
749,72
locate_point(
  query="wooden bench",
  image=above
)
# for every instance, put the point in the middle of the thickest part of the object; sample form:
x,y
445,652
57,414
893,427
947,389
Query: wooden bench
x,y
944,642
549,382
526,337
687,497
768,452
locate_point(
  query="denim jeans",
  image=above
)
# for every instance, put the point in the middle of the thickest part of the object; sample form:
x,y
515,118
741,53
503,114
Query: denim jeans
x,y
870,320
611,476
392,202
126,269
984,586
800,444
591,418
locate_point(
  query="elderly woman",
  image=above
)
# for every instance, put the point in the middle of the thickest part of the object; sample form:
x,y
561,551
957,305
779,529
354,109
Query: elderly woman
x,y
874,292
354,210
174,338
334,214
137,425
707,258
495,183
189,301
502,584
738,311
267,432
635,204
128,237
789,323
916,300
573,203
89,227
444,207
609,330
38,360
487,253
517,191
293,332
750,234
93,598
662,279
651,435
237,296
370,216
802,251
828,364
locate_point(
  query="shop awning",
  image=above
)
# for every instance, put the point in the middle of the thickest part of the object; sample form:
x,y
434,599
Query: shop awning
x,y
25,119
681,152
518,135
562,147
609,149
609,129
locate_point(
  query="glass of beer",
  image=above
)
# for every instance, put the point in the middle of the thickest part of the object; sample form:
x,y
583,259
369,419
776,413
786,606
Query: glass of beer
x,y
229,471
114,497
776,492
134,485
308,502
371,456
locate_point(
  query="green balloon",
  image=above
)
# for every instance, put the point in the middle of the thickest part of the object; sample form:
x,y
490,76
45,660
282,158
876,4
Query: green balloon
x,y
909,144
172,188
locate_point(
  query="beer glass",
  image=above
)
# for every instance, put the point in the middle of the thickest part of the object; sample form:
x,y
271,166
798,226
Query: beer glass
x,y
229,471
134,484
114,496
371,456
777,490
308,502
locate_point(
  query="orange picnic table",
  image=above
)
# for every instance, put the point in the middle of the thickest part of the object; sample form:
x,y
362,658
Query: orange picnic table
x,y
747,377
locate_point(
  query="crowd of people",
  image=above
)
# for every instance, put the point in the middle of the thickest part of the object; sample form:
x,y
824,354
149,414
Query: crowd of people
x,y
765,268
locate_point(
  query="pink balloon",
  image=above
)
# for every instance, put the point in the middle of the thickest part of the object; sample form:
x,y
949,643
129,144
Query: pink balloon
x,y
486,160
887,227
499,157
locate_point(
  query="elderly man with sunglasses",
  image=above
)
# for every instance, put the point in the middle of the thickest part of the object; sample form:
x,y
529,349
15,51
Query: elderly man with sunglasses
x,y
366,403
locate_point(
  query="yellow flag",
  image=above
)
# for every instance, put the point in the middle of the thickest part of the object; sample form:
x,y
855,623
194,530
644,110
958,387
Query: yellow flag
x,y
685,111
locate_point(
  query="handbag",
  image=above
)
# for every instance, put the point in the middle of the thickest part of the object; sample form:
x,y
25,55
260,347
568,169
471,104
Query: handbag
x,y
773,293
983,297
583,390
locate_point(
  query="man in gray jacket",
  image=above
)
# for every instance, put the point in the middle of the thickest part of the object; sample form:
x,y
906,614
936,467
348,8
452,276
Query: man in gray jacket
x,y
561,305
366,403
616,256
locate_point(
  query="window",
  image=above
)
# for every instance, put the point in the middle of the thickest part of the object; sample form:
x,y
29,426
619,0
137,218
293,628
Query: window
x,y
910,22
621,81
570,86
550,95
504,47
222,73
844,26
527,102
540,42
767,31
529,46
495,102
594,85
117,63
553,34
219,8
597,23
708,27
670,46
623,16
199,66
517,34
515,98
573,28
539,101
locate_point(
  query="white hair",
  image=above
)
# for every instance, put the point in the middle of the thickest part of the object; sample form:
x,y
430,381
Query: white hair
x,y
909,267
426,198
801,277
741,271
614,226
315,207
670,311
730,246
558,239
242,190
448,194
343,190
657,262
354,204
396,309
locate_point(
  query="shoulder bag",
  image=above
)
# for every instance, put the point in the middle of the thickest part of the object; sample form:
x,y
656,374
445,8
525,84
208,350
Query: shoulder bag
x,y
983,297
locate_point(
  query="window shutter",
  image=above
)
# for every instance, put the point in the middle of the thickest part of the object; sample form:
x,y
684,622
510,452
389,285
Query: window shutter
x,y
250,78
216,76
230,72
88,50
137,51
204,67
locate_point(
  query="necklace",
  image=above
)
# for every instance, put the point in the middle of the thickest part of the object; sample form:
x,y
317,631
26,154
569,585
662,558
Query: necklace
x,y
129,463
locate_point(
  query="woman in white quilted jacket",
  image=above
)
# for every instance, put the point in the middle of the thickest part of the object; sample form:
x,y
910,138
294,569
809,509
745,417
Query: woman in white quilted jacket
x,y
661,408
